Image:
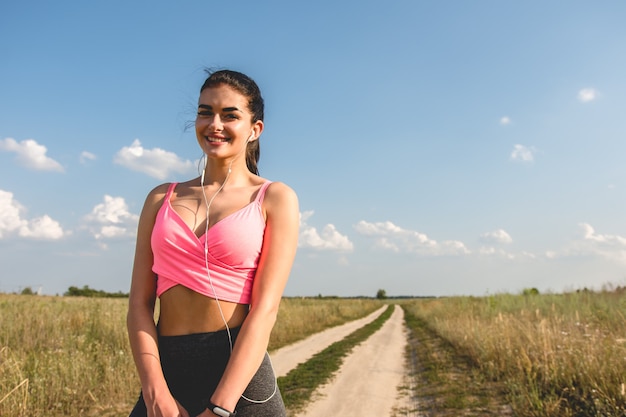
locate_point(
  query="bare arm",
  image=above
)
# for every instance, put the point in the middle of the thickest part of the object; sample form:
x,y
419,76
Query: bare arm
x,y
279,249
142,331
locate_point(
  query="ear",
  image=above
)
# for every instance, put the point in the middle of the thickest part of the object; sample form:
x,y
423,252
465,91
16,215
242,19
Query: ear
x,y
257,128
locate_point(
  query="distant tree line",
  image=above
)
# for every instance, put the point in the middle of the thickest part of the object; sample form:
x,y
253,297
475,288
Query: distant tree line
x,y
28,291
530,291
90,292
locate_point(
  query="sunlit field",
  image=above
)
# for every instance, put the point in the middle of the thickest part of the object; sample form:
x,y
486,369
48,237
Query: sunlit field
x,y
69,356
557,355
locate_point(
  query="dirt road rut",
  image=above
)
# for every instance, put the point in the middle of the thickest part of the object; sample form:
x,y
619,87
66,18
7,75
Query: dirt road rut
x,y
369,381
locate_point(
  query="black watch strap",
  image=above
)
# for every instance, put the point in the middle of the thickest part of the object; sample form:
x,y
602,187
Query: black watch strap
x,y
219,411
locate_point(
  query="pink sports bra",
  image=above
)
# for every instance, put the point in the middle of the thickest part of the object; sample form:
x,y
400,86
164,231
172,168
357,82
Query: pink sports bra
x,y
233,253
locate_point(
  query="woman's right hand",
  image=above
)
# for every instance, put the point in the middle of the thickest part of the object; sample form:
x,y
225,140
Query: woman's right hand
x,y
167,408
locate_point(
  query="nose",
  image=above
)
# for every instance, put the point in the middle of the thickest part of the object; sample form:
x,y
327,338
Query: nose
x,y
215,123
212,123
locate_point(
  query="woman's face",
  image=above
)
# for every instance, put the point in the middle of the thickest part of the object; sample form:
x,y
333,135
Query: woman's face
x,y
224,123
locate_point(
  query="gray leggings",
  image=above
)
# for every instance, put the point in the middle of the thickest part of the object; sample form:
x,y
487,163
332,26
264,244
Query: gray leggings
x,y
193,366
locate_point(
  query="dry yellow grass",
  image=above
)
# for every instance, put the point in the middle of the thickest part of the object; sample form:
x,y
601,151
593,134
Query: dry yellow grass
x,y
558,355
63,356
66,356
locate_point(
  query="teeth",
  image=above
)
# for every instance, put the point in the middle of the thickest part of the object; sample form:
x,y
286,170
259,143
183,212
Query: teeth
x,y
216,139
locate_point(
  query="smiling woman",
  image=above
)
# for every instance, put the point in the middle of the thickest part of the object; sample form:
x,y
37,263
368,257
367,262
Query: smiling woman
x,y
217,251
253,104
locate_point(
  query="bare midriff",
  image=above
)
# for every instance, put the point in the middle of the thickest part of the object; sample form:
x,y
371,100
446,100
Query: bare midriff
x,y
183,311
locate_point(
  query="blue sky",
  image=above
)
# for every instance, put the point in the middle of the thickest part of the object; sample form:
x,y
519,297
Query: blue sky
x,y
437,148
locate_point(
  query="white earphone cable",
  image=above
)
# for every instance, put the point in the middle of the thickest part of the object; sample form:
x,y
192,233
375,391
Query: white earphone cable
x,y
208,203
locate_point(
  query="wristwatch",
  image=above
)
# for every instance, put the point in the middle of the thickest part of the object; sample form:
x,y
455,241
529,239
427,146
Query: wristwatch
x,y
219,411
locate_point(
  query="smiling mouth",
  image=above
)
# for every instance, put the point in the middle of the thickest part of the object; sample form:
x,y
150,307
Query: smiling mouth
x,y
217,140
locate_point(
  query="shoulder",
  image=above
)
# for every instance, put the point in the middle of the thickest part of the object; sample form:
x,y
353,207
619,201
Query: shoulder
x,y
155,197
158,192
279,196
151,207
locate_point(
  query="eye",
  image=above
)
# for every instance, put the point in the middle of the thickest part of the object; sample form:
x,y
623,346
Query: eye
x,y
231,116
204,113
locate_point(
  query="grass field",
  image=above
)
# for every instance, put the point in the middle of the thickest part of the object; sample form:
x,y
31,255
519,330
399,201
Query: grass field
x,y
69,356
554,355
549,355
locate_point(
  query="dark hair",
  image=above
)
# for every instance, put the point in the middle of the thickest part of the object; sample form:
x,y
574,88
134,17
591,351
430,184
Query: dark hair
x,y
246,86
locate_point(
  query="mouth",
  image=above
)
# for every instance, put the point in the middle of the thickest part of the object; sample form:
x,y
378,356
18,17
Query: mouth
x,y
213,139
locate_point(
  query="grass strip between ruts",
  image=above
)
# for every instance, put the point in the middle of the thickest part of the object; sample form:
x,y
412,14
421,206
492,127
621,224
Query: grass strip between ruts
x,y
298,385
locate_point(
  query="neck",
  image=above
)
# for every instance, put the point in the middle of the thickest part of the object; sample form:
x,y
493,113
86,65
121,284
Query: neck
x,y
218,172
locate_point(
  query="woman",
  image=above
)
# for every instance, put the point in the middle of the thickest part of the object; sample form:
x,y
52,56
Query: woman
x,y
217,251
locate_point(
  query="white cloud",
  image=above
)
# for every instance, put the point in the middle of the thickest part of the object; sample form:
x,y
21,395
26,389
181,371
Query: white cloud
x,y
112,219
113,210
487,250
491,251
377,229
588,94
391,237
505,120
156,162
607,246
328,239
501,253
385,243
591,243
42,228
522,153
496,236
30,154
12,221
86,156
528,255
111,232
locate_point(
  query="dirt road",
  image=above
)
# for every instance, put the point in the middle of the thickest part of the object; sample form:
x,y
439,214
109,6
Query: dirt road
x,y
368,383
288,357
